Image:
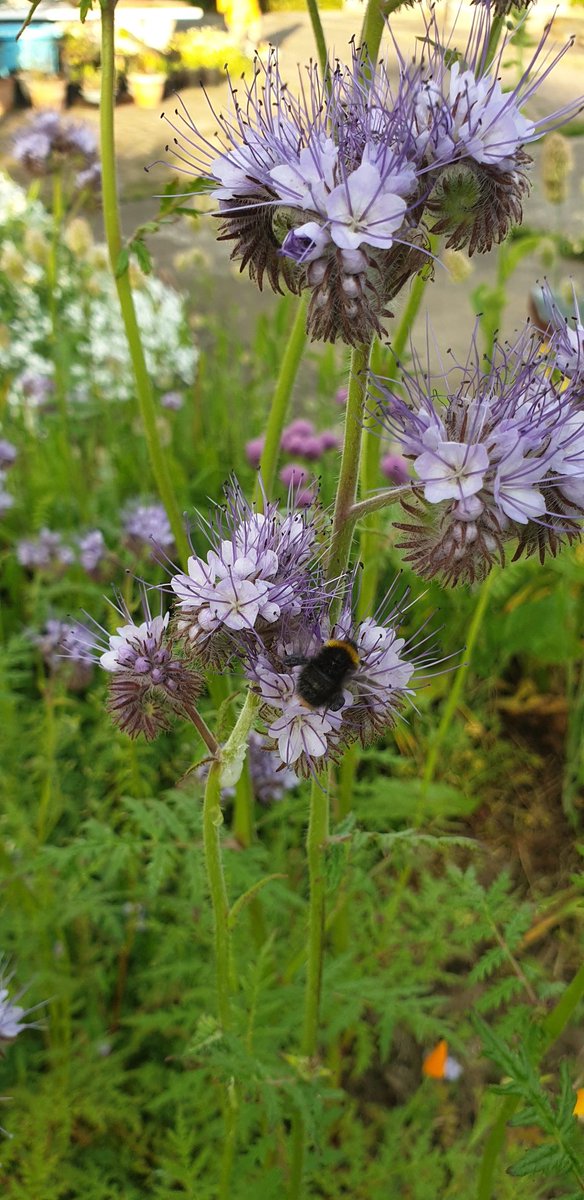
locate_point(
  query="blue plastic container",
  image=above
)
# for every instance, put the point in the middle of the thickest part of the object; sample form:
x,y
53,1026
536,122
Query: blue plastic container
x,y
37,49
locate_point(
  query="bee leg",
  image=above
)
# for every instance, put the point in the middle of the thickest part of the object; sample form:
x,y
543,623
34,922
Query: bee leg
x,y
295,660
337,702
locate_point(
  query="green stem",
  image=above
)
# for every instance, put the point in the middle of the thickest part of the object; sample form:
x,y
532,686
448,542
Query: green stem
x,y
111,219
318,32
342,532
496,30
369,540
281,399
318,832
552,1026
212,822
376,14
459,678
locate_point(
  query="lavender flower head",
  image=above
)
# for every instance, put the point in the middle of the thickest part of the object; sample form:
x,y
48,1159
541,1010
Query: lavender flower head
x,y
500,459
315,190
48,142
305,738
8,453
567,335
256,573
92,551
473,135
12,1015
329,190
67,649
47,552
147,525
149,683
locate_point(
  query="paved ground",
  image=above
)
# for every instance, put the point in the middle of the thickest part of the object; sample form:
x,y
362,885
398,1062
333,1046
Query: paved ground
x,y
141,137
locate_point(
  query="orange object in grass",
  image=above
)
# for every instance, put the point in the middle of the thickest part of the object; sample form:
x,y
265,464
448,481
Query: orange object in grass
x,y
435,1062
578,1109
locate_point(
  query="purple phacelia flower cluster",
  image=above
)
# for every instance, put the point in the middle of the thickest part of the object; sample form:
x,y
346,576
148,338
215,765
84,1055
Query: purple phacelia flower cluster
x,y
498,458
334,189
50,552
567,334
146,526
67,650
259,596
256,573
49,142
372,694
149,683
8,455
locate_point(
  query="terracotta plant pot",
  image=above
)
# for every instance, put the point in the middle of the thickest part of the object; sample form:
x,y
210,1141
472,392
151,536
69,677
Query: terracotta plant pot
x,y
6,94
146,90
46,92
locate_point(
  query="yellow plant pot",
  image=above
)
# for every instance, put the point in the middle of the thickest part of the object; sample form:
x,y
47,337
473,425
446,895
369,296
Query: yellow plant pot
x,y
6,94
146,90
46,93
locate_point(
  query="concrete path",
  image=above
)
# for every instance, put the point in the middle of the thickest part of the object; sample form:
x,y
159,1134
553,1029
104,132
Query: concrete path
x,y
141,137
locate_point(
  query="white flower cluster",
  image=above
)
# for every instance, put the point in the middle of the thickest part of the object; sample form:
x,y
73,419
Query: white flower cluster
x,y
90,321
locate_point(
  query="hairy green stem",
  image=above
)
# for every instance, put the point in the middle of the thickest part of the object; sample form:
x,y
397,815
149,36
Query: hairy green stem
x,y
111,220
459,678
318,32
342,532
552,1026
374,20
318,831
281,399
212,822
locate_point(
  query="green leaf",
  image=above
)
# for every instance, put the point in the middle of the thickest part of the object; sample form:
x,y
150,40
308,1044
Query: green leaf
x,y
543,1160
401,798
241,902
143,255
123,262
85,6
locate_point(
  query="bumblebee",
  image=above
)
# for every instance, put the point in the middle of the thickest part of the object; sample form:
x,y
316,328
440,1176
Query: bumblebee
x,y
320,683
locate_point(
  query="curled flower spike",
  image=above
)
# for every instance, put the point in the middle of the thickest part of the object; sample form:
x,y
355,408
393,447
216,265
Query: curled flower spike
x,y
357,676
498,456
147,526
48,142
474,134
148,682
315,191
257,572
566,333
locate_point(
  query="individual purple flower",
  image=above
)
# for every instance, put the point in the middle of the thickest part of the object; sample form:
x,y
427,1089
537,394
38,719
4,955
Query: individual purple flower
x,y
12,1014
292,475
67,649
316,190
371,696
147,527
256,573
395,468
8,453
149,683
173,401
329,440
92,551
6,500
341,396
36,388
500,459
47,552
49,141
295,434
254,450
473,135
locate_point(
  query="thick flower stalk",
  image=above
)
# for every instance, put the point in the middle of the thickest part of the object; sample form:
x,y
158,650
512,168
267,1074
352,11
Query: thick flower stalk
x,y
498,457
331,190
380,665
149,683
259,571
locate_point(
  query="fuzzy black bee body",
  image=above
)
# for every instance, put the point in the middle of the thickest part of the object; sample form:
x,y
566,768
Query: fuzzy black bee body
x,y
320,683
